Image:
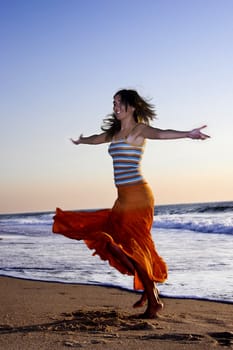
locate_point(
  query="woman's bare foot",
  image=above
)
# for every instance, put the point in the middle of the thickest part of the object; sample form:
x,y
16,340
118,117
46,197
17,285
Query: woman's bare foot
x,y
152,311
154,303
141,302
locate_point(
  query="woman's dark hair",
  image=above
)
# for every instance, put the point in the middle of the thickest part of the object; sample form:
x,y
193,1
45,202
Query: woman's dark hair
x,y
144,111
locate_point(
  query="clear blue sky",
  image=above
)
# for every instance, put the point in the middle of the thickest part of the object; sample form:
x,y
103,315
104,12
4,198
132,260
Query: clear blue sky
x,y
61,62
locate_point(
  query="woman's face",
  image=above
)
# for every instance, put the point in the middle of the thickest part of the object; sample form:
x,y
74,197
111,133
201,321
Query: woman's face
x,y
120,109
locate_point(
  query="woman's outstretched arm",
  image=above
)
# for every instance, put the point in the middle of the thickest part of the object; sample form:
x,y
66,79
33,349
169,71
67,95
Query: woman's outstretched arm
x,y
169,134
91,140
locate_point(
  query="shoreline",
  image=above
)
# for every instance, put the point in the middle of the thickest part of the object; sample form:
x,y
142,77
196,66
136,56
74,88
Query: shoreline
x,y
54,315
123,289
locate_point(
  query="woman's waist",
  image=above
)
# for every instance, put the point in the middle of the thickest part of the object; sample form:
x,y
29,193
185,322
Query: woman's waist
x,y
135,192
133,185
134,199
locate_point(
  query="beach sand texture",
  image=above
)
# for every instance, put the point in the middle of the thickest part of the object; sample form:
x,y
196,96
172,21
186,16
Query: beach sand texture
x,y
42,315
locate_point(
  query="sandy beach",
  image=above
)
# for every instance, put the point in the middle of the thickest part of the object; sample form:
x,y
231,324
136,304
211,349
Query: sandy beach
x,y
42,315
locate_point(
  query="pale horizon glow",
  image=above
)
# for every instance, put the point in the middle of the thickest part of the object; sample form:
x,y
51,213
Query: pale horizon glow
x,y
61,63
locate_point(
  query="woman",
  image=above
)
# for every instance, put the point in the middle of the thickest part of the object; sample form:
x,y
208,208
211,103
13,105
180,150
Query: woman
x,y
122,235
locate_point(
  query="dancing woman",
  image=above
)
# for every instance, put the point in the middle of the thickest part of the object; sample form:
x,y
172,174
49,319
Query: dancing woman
x,y
122,235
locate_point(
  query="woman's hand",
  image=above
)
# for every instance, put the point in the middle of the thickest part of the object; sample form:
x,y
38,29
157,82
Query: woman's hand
x,y
78,141
90,140
197,134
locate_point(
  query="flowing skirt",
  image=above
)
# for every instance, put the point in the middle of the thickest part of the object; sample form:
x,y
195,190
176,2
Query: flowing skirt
x,y
127,225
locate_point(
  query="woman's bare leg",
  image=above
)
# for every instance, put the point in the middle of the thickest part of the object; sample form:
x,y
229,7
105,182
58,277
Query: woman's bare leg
x,y
151,292
154,303
141,302
122,257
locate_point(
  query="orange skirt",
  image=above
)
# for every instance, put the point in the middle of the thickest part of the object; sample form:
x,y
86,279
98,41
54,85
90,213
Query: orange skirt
x,y
127,225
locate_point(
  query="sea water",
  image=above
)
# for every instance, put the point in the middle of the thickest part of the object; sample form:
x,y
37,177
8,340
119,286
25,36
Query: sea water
x,y
195,240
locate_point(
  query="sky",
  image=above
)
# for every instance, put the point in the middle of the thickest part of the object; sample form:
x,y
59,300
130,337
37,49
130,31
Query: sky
x,y
62,61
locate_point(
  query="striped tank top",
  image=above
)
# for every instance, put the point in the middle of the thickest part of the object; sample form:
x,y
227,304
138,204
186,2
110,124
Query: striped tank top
x,y
126,162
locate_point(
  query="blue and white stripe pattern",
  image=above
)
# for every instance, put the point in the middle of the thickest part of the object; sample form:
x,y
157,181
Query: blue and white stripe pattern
x,y
126,162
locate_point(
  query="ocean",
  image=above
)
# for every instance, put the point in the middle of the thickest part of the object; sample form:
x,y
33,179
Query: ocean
x,y
196,241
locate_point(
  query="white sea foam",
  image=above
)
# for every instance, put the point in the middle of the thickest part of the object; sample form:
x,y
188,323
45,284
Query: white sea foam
x,y
205,223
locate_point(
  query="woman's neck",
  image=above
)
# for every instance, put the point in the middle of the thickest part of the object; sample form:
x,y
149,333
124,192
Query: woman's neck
x,y
127,126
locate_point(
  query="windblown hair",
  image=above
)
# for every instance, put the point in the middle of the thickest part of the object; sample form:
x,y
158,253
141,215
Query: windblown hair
x,y
144,111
